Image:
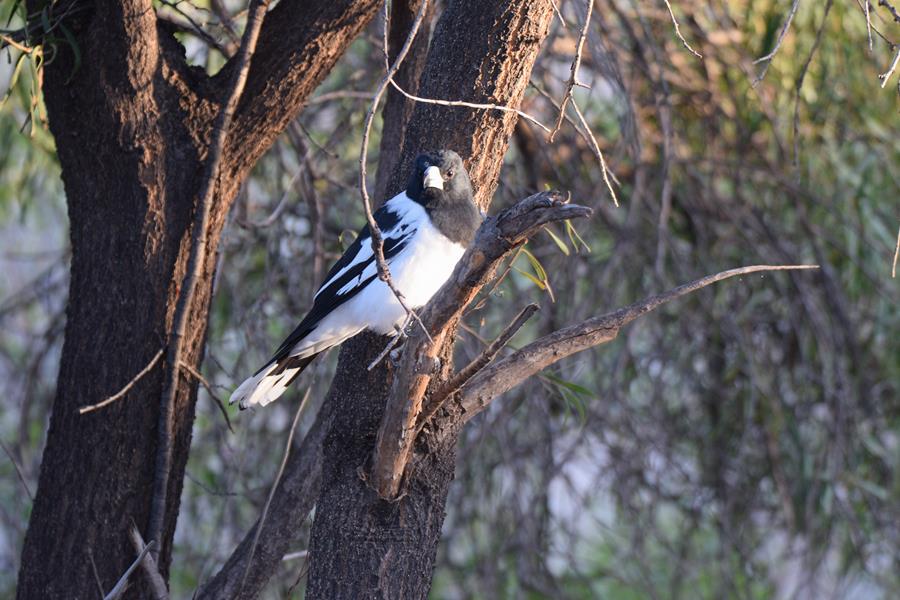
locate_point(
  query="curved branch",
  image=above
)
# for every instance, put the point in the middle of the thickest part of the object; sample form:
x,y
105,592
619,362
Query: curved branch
x,y
512,370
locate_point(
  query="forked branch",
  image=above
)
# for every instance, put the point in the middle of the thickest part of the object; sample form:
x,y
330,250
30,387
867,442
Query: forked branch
x,y
496,237
483,381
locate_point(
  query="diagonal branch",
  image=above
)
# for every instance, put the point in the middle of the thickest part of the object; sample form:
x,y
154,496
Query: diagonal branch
x,y
512,370
436,399
767,59
119,588
573,77
194,267
496,237
121,393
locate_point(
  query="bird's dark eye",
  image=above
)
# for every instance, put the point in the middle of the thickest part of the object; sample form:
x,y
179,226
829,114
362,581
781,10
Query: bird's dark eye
x,y
450,174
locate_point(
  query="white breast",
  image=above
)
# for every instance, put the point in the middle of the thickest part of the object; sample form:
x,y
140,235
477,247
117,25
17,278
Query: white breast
x,y
424,266
418,271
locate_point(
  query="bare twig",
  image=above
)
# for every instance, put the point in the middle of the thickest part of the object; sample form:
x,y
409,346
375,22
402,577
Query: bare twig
x,y
22,477
573,77
295,555
196,260
339,95
768,57
218,8
510,371
120,586
209,391
476,105
891,9
391,343
887,74
436,400
604,169
10,41
384,272
559,16
678,31
148,563
868,12
279,208
265,511
191,26
121,393
799,85
896,255
95,573
582,128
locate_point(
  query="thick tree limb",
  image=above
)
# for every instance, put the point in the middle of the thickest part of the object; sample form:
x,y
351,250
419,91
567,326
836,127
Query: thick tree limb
x,y
494,240
512,370
299,44
196,260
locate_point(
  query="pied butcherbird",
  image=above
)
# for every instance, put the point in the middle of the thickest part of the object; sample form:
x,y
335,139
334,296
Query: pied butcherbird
x,y
425,228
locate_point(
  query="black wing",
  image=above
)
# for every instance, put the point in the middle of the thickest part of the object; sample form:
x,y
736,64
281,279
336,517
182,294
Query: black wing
x,y
396,234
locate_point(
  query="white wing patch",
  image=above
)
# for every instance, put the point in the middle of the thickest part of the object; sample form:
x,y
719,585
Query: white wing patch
x,y
408,221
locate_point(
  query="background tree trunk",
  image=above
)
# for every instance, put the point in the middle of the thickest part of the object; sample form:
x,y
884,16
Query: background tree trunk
x,y
362,546
132,126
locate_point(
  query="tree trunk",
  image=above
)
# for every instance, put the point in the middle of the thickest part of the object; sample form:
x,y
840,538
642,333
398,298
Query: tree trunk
x,y
362,546
132,126
129,175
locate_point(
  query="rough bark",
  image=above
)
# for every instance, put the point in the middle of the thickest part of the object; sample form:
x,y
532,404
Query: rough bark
x,y
362,546
397,107
132,126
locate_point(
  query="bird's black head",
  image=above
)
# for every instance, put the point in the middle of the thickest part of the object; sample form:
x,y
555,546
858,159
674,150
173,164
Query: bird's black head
x,y
439,177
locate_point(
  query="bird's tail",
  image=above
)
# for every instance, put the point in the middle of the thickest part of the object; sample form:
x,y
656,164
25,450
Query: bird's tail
x,y
270,382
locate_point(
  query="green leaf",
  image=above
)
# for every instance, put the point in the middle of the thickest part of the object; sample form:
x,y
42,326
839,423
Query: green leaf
x,y
70,38
574,395
12,12
531,277
575,238
535,264
561,244
14,78
869,486
574,387
540,272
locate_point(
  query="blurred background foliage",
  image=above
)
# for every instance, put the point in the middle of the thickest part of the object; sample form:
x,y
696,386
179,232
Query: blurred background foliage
x,y
742,443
